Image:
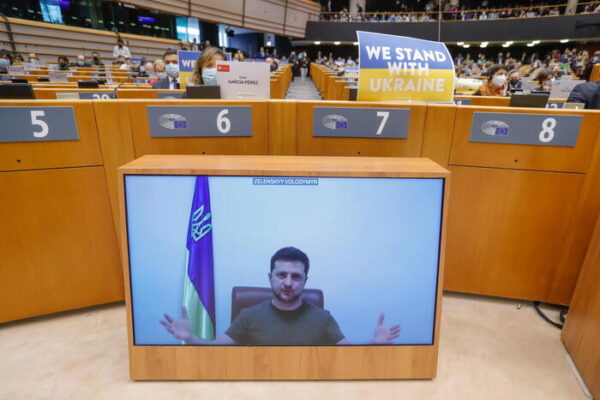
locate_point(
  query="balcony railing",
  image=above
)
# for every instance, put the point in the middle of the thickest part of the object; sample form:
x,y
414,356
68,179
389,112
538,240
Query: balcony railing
x,y
459,14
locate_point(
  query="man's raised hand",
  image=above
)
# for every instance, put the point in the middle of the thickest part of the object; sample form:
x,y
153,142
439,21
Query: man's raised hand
x,y
383,334
180,329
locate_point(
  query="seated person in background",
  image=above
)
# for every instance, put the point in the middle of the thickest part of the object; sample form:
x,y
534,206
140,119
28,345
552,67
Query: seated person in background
x,y
63,64
171,63
544,79
496,84
205,69
238,55
159,72
96,61
18,60
5,61
147,69
126,66
514,80
464,70
273,64
285,319
81,62
587,93
33,59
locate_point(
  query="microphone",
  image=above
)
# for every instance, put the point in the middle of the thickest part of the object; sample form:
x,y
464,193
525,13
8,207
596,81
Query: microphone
x,y
129,78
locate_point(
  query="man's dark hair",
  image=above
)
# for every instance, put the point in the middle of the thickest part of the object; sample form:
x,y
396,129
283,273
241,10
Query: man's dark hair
x,y
290,254
495,68
168,52
544,75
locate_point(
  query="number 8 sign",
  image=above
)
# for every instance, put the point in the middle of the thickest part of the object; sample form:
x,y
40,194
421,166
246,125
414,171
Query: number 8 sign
x,y
527,129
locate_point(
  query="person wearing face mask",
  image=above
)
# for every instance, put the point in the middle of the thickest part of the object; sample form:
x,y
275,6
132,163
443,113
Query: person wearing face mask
x,y
159,72
496,84
5,61
126,66
63,64
96,61
33,58
171,80
120,51
205,70
514,80
81,62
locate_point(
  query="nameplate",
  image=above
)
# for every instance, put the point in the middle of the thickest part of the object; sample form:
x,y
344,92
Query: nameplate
x,y
37,124
95,95
170,95
361,122
462,102
200,121
531,129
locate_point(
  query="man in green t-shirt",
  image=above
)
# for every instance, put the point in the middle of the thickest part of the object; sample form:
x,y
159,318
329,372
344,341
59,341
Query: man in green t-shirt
x,y
283,320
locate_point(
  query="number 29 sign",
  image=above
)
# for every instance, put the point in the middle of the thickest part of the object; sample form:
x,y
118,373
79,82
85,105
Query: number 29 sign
x,y
36,124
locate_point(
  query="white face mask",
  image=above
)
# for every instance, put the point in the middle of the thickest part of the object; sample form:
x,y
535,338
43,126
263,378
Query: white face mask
x,y
499,80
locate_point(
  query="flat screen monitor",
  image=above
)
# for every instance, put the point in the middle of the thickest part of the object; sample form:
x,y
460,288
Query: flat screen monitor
x,y
537,100
353,93
239,252
16,91
88,84
203,92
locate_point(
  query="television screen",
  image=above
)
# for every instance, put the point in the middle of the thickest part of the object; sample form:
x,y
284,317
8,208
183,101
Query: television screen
x,y
147,20
51,11
283,261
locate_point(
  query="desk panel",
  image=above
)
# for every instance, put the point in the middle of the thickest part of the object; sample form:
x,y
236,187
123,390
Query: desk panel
x,y
58,243
506,232
528,157
54,154
330,146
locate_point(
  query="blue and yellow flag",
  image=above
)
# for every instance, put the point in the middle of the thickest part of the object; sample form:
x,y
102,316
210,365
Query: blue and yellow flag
x,y
403,68
199,281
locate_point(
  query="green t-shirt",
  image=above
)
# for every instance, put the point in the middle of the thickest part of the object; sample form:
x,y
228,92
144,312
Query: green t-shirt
x,y
264,324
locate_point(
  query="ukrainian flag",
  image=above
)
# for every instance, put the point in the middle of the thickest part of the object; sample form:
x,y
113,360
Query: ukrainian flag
x,y
199,281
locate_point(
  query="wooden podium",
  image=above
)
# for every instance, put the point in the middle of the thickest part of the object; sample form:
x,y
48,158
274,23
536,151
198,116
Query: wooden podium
x,y
181,362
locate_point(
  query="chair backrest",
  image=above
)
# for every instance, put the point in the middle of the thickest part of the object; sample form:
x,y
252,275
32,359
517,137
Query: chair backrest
x,y
245,296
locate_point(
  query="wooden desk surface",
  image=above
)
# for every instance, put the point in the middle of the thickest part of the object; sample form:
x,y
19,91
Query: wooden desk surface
x,y
283,166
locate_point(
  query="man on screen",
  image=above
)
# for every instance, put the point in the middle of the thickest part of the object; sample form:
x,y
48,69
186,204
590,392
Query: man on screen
x,y
285,319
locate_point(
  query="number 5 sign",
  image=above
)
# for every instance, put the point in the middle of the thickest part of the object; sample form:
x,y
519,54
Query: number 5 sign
x,y
34,124
529,129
